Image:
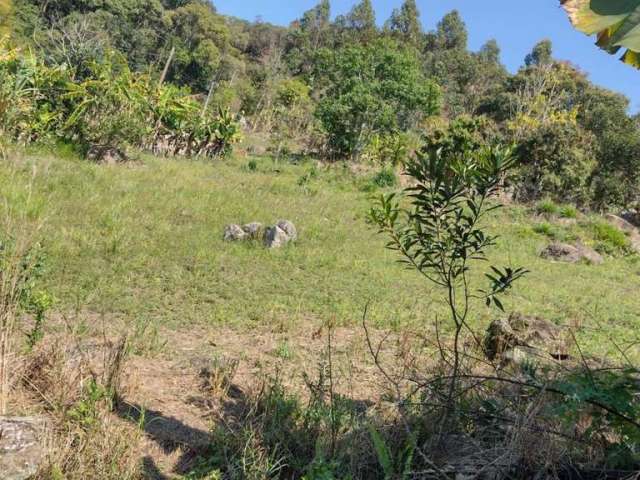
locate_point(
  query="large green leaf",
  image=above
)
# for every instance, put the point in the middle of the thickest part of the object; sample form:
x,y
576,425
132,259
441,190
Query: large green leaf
x,y
616,22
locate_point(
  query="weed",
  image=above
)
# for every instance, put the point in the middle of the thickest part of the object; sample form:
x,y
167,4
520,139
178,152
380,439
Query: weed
x,y
385,178
38,304
283,351
252,166
569,211
547,207
549,230
219,375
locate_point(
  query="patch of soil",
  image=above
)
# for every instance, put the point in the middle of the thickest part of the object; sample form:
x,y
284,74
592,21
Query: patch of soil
x,y
168,396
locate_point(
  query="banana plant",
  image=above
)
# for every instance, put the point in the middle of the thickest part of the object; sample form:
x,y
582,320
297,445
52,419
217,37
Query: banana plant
x,y
615,22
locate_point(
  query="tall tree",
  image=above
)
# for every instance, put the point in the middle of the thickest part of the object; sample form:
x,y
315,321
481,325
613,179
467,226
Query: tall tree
x,y
316,21
542,54
490,52
372,89
451,33
362,20
405,23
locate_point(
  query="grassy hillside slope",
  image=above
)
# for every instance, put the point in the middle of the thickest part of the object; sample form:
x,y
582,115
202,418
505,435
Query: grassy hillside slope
x,y
143,244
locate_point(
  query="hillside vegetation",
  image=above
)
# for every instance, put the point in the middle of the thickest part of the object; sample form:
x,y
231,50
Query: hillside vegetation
x,y
453,292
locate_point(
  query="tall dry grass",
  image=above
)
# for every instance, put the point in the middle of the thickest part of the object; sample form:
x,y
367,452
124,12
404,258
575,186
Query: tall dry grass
x,y
20,230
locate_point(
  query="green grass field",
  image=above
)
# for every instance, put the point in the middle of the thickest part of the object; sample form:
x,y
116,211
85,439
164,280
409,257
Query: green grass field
x,y
142,244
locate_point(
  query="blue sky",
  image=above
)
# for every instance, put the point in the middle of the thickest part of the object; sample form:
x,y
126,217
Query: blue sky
x,y
517,25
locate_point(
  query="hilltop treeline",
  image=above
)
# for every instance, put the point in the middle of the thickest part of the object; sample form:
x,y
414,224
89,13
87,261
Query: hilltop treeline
x,y
345,87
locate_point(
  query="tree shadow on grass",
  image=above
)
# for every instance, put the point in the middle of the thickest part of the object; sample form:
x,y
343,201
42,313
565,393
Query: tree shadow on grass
x,y
168,433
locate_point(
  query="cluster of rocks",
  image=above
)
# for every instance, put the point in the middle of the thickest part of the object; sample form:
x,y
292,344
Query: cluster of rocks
x,y
564,252
275,236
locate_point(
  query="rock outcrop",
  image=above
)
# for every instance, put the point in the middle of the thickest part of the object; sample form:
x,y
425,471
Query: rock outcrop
x,y
563,252
22,446
524,338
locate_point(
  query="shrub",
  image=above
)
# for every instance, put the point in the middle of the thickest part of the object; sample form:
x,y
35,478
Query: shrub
x,y
548,230
385,178
109,109
547,207
568,211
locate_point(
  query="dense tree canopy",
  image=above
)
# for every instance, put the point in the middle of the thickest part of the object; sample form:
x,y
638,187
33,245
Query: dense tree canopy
x,y
356,83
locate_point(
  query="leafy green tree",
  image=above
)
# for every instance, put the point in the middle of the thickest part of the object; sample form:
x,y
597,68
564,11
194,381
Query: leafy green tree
x,y
490,52
373,88
200,38
359,24
451,33
542,54
306,36
405,23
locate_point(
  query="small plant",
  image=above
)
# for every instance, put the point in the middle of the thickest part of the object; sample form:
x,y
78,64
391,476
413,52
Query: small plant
x,y
252,166
547,207
549,230
385,178
398,468
38,304
283,351
308,176
436,226
568,211
218,376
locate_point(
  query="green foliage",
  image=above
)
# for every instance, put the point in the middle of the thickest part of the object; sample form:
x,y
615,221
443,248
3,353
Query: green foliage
x,y
610,400
399,468
440,233
609,239
110,108
557,159
542,54
405,23
373,89
390,148
38,303
86,411
385,178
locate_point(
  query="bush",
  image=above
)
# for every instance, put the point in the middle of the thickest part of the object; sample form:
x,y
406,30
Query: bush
x,y
385,178
111,109
547,207
373,89
557,159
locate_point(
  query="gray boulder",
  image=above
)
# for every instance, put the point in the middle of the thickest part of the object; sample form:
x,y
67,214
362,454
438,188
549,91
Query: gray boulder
x,y
234,233
253,230
22,441
289,228
275,237
525,338
563,252
280,234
